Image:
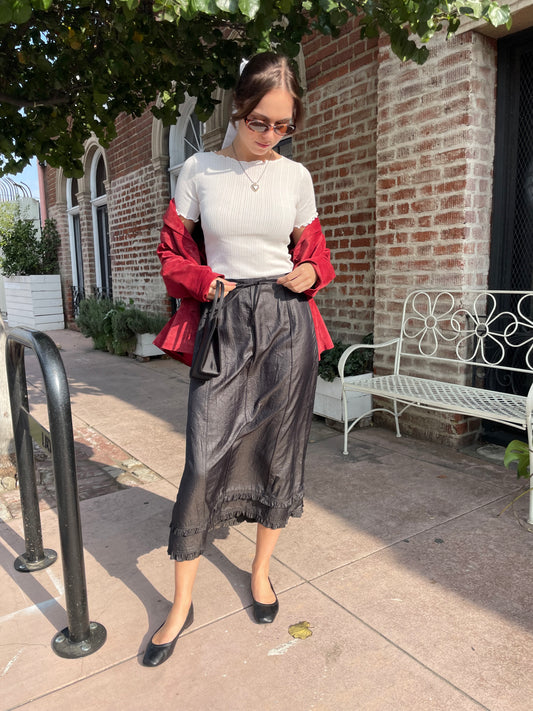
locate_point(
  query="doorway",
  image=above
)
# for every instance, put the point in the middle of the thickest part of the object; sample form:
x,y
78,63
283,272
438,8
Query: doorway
x,y
511,259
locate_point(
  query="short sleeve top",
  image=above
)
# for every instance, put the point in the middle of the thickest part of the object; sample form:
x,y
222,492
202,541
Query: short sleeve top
x,y
247,233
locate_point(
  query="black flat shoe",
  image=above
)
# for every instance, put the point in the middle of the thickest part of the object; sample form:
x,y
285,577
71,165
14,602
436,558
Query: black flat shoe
x,y
156,654
264,614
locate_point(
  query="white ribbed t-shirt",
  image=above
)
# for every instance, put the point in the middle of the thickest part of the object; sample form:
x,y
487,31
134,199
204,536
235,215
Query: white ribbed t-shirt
x,y
247,233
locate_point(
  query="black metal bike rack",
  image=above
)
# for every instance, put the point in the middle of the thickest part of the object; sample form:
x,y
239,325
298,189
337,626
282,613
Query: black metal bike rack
x,y
81,637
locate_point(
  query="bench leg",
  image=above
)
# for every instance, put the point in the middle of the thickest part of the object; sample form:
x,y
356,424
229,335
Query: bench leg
x,y
397,419
345,411
530,445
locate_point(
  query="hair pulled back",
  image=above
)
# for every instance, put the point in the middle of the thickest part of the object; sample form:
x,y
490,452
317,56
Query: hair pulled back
x,y
263,73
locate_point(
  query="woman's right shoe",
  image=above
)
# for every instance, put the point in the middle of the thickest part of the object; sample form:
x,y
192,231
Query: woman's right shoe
x,y
156,654
264,614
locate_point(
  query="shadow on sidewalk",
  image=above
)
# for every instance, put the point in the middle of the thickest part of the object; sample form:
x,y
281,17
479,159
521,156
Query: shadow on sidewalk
x,y
389,497
122,532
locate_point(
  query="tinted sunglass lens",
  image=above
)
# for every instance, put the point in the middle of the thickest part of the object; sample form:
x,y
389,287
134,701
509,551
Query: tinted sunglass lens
x,y
284,129
258,126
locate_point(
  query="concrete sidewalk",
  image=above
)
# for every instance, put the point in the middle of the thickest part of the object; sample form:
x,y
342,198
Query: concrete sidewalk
x,y
417,592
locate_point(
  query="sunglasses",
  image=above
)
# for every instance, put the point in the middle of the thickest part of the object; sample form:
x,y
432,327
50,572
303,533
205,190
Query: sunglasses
x,y
281,128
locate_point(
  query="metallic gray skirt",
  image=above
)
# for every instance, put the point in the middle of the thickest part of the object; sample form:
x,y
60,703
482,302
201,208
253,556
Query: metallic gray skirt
x,y
248,428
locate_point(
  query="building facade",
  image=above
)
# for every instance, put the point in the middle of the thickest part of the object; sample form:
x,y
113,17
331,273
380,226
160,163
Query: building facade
x,y
423,175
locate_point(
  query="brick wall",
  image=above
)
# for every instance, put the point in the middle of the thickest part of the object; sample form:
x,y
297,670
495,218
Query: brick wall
x,y
434,186
131,150
137,196
136,205
338,147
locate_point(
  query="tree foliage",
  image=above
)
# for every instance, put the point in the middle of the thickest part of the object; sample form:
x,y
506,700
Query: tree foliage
x,y
68,69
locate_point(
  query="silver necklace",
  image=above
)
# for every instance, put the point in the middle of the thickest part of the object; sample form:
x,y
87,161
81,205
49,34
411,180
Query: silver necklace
x,y
254,183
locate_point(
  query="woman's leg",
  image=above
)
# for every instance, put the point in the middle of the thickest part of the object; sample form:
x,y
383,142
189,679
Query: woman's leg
x,y
264,547
184,577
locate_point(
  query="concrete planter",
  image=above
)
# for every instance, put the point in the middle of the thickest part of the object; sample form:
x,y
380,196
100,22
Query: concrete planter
x,y
144,348
35,302
328,399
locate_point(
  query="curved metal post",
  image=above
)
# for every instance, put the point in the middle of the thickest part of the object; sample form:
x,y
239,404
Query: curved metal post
x,y
35,557
80,638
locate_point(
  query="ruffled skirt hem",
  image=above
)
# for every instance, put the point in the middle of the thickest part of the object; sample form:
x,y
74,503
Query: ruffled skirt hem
x,y
189,543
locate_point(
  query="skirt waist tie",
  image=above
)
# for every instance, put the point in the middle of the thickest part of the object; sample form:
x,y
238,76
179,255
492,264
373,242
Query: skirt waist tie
x,y
254,283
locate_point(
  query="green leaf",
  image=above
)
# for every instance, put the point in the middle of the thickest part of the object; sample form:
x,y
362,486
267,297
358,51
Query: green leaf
x,y
499,15
21,11
338,17
285,6
518,451
207,6
249,8
6,12
166,10
230,6
473,9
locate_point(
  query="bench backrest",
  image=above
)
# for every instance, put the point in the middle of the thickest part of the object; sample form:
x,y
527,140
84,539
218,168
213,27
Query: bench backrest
x,y
492,329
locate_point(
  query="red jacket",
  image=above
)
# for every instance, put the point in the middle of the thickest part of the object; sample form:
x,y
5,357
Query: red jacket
x,y
187,277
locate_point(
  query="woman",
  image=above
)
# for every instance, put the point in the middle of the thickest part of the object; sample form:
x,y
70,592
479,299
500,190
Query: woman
x,y
247,428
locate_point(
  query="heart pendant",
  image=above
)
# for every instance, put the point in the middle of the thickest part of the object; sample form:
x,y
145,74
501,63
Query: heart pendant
x,y
255,187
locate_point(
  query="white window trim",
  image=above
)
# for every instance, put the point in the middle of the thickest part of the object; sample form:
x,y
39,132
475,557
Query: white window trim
x,y
96,201
176,140
72,211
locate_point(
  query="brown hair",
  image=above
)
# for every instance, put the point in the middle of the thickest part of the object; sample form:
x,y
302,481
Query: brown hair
x,y
263,73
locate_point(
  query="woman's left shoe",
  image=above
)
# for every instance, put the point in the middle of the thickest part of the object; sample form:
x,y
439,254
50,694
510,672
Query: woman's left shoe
x,y
264,614
156,654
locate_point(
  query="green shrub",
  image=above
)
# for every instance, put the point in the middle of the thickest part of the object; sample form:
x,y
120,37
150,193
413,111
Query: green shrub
x,y
8,214
48,248
145,321
358,363
121,339
90,320
24,253
114,326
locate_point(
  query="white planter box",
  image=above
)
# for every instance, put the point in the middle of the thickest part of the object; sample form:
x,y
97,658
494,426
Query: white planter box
x,y
328,399
144,347
35,302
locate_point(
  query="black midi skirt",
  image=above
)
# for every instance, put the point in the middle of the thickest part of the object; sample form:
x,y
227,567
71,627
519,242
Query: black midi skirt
x,y
248,428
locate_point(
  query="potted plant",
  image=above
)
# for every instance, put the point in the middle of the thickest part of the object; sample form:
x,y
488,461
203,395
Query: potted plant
x,y
145,325
518,451
32,282
119,328
328,395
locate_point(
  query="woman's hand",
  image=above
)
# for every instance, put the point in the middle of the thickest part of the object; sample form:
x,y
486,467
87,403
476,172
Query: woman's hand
x,y
228,286
300,279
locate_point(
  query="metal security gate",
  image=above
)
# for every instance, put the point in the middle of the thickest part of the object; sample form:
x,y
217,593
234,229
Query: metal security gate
x,y
512,236
511,261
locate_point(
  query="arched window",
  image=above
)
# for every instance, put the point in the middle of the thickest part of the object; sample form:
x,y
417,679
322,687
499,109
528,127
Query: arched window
x,y
102,246
76,256
185,139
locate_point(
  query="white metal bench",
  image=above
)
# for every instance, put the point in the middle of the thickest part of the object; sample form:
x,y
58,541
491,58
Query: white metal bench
x,y
483,335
